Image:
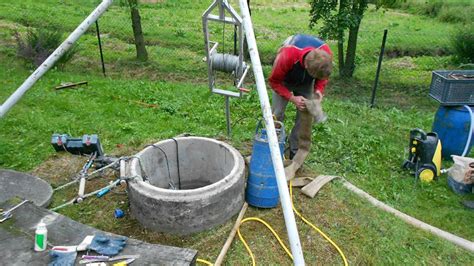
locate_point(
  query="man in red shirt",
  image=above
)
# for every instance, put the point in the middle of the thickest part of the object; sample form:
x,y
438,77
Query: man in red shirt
x,y
301,68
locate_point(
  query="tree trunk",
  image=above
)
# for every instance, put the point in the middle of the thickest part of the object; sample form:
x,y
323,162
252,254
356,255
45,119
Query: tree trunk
x,y
340,38
349,66
358,8
142,54
340,54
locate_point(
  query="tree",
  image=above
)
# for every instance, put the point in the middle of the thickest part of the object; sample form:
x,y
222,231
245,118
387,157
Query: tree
x,y
142,54
340,16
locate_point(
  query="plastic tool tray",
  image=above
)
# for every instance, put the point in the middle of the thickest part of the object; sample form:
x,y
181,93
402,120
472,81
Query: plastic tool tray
x,y
453,87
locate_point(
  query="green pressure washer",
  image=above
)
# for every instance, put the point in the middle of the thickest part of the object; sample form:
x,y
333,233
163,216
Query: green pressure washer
x,y
424,155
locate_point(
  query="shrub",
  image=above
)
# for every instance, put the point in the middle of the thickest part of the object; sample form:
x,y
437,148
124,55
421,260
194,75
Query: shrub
x,y
463,45
455,13
37,44
446,11
432,8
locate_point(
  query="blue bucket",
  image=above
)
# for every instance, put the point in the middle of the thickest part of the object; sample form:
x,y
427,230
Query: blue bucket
x,y
262,188
453,127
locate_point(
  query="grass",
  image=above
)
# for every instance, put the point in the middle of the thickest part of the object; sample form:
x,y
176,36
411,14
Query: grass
x,y
452,11
140,103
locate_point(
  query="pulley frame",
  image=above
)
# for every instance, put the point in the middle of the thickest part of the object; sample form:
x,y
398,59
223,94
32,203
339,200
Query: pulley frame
x,y
216,60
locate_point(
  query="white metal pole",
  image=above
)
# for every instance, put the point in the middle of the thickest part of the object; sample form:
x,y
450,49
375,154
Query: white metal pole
x,y
272,137
55,56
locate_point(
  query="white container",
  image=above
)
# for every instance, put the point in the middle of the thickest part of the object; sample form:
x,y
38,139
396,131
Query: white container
x,y
41,236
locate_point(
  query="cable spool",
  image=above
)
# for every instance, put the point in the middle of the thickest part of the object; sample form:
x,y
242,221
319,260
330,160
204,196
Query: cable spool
x,y
225,62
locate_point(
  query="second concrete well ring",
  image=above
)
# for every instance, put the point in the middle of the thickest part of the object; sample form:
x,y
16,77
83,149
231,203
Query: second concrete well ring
x,y
185,185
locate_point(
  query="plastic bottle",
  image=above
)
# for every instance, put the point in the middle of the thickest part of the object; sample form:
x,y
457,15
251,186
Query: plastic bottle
x,y
41,236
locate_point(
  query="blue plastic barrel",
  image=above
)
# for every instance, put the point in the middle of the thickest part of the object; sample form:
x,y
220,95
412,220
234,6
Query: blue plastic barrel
x,y
453,125
262,188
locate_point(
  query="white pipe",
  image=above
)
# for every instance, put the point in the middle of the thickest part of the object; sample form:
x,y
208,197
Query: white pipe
x,y
55,56
468,141
466,244
272,137
82,187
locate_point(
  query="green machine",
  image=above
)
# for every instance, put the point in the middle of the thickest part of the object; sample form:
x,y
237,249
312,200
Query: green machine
x,y
424,155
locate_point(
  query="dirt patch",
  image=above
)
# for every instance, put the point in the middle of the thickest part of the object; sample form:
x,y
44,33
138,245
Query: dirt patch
x,y
402,52
64,167
60,168
9,25
268,34
395,13
402,63
305,171
150,1
278,5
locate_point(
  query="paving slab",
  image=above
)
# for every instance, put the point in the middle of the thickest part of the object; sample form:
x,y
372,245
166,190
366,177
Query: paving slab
x,y
17,240
25,186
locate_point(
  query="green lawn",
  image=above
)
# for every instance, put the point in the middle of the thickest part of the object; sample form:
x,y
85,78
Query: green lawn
x,y
141,103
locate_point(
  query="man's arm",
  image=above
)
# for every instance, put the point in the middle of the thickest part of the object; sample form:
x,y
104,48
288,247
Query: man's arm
x,y
320,85
283,64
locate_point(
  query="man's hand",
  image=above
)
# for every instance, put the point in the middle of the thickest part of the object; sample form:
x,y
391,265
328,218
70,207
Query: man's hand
x,y
298,101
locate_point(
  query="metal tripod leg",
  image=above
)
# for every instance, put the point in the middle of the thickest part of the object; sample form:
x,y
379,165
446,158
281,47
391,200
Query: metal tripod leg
x,y
227,115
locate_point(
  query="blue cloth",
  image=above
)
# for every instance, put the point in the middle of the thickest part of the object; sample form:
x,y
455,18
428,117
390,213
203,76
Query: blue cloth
x,y
107,245
304,40
61,258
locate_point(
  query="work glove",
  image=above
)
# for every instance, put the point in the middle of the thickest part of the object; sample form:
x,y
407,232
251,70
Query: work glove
x,y
107,245
61,258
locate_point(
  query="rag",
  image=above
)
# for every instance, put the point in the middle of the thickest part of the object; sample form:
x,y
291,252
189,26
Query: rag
x,y
61,258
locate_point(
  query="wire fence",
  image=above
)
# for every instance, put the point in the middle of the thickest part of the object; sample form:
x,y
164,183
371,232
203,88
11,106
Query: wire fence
x,y
174,41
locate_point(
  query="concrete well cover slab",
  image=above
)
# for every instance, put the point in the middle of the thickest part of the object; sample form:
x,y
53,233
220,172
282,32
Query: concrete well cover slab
x,y
25,186
17,240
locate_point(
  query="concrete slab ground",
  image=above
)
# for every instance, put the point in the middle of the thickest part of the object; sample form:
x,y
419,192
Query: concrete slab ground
x,y
25,186
17,240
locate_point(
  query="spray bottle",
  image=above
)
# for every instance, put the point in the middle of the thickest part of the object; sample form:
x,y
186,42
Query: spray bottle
x,y
41,236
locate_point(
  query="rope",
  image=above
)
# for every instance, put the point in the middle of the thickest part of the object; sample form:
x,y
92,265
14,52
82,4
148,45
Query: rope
x,y
225,62
171,183
177,162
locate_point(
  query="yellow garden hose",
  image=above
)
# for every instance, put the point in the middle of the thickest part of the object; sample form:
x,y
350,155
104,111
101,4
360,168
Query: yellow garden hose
x,y
204,262
317,229
270,228
279,239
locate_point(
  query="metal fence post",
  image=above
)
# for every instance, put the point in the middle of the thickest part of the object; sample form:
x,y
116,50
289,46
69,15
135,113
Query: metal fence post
x,y
379,66
100,46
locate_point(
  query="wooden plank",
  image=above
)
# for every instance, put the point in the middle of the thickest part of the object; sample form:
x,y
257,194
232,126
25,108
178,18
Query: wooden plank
x,y
312,188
